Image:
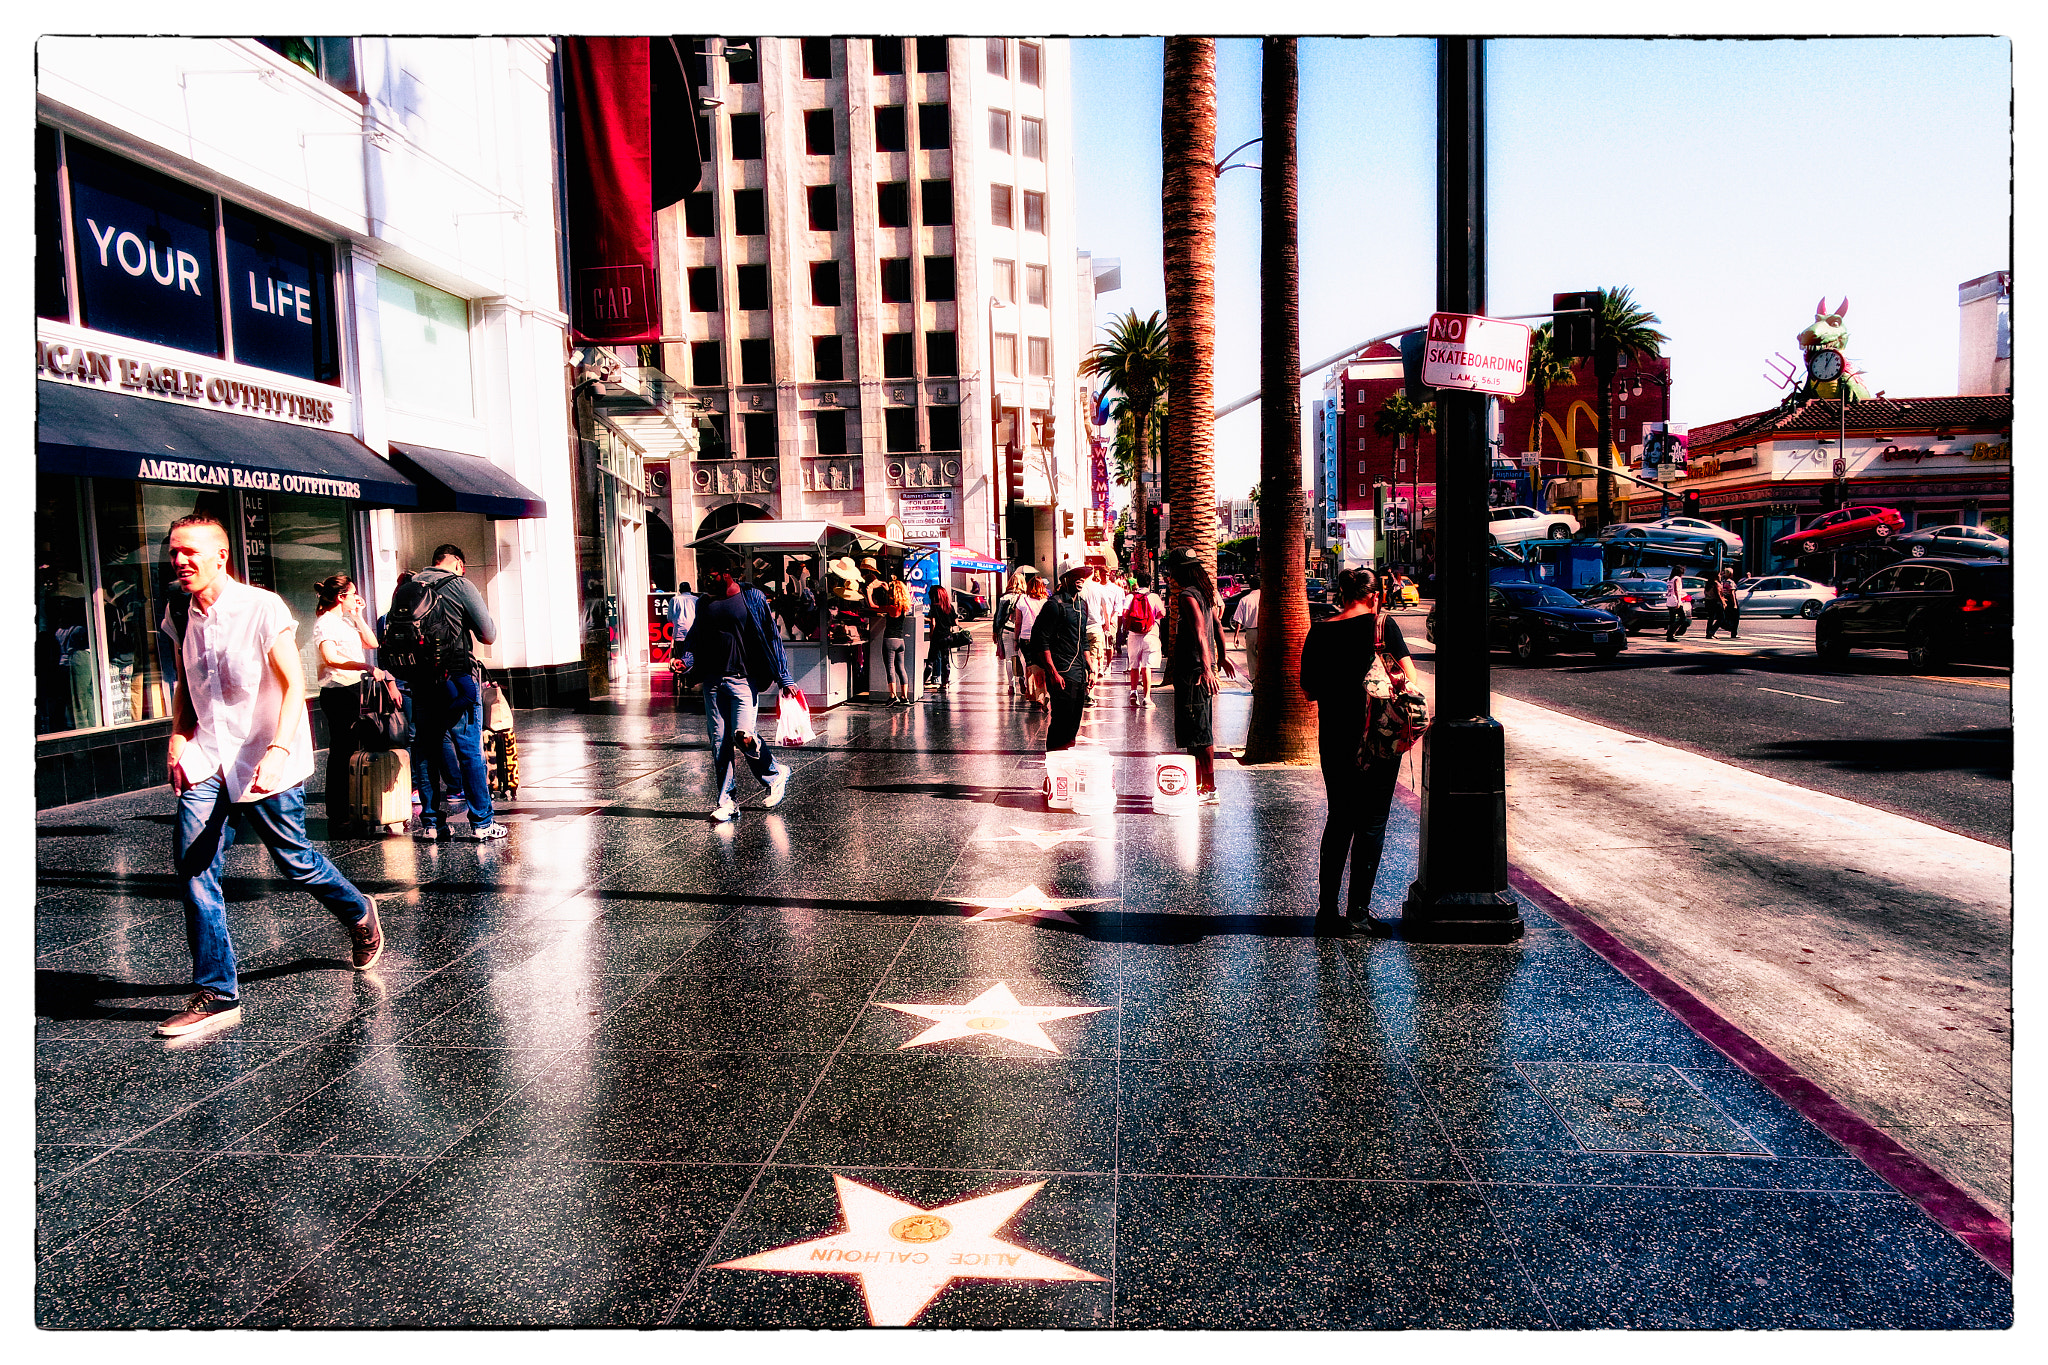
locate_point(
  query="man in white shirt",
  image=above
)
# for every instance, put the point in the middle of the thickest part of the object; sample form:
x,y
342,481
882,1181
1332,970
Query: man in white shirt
x,y
240,746
1099,603
1674,605
1248,622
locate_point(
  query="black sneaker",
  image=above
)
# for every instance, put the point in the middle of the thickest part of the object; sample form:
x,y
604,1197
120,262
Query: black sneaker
x,y
368,938
206,1011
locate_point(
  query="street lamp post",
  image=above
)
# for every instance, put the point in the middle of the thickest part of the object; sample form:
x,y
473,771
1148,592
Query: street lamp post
x,y
1662,381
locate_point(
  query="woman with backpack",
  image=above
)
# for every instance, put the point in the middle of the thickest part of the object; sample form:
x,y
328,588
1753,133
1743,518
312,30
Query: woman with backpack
x,y
342,639
1137,638
1335,660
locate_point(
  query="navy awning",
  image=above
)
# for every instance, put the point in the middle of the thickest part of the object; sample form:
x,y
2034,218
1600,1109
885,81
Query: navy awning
x,y
99,434
449,482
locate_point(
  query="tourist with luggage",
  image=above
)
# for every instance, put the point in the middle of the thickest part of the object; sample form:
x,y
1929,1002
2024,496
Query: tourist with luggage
x,y
733,653
1198,667
1336,658
429,640
240,751
342,640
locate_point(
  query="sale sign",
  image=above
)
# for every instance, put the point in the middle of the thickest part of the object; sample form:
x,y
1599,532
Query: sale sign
x,y
1480,355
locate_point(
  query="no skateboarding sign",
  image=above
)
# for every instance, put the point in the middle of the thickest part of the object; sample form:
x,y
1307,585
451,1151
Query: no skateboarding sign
x,y
1482,355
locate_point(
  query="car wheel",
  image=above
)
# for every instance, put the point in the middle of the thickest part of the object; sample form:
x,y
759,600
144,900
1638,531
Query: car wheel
x,y
1919,552
1527,648
1811,611
1560,532
1829,645
1924,651
1882,531
1632,533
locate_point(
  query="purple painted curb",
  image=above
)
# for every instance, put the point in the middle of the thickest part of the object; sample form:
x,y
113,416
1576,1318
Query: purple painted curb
x,y
1940,1198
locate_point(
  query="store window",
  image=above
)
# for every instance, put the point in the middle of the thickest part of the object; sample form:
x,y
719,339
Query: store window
x,y
133,522
52,297
66,662
281,293
146,263
425,336
289,544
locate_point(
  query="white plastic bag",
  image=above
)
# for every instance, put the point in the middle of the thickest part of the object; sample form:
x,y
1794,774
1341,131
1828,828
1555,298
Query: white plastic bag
x,y
793,720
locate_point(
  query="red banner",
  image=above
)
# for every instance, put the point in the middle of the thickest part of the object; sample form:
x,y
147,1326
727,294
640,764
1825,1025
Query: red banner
x,y
607,104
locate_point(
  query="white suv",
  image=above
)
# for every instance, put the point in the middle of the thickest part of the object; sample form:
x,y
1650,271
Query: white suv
x,y
1512,525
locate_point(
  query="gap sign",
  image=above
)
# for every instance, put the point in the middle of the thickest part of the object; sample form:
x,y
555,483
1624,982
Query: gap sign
x,y
1483,355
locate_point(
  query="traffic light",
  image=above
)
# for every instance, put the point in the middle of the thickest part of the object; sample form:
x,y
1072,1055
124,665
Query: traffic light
x,y
1572,332
1692,504
1379,505
1013,471
1411,366
1066,523
1152,527
1045,430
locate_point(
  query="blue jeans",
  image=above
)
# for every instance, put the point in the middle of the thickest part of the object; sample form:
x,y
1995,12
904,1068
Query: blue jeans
x,y
204,835
449,737
729,708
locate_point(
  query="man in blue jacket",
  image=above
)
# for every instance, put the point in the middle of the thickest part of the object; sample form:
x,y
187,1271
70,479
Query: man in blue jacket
x,y
734,652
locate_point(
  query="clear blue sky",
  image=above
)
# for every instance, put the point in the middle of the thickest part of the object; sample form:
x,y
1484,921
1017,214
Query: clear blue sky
x,y
1730,183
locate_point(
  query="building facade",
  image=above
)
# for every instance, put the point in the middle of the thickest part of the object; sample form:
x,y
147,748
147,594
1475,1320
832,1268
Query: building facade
x,y
311,286
873,306
1985,344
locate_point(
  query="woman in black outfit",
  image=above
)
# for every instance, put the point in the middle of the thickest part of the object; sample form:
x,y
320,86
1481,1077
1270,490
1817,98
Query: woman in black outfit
x,y
1334,661
1197,658
944,619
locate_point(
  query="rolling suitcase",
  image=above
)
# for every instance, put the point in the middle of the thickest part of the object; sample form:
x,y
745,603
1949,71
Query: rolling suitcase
x,y
380,788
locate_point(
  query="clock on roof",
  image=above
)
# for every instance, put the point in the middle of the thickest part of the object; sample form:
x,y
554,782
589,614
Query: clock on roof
x,y
1824,365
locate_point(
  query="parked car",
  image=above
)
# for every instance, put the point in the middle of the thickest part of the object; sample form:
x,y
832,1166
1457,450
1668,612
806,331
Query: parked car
x,y
1512,525
1783,595
1934,609
1688,531
1962,542
1535,619
972,606
1841,528
1230,585
1639,603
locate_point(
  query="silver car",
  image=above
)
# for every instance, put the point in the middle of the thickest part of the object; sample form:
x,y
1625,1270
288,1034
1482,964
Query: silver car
x,y
1783,595
1675,531
1513,525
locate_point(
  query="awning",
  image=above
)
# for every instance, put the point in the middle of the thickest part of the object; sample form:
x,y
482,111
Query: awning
x,y
449,482
113,435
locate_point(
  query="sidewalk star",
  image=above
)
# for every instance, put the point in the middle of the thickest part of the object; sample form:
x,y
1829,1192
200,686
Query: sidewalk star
x,y
1023,905
905,1256
1044,838
994,1013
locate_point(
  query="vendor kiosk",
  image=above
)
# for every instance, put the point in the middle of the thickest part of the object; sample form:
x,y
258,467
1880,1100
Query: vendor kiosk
x,y
811,572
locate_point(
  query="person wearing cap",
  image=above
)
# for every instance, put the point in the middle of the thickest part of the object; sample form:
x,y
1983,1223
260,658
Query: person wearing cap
x,y
1059,640
734,653
1198,658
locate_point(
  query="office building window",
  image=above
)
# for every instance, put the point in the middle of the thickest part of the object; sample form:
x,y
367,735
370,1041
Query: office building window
x,y
935,203
817,59
704,289
934,126
746,137
1006,353
828,358
938,279
53,271
757,361
888,56
1027,63
1041,357
742,68
831,428
1004,280
896,280
931,54
818,139
753,286
944,425
999,130
329,60
713,441
425,336
890,128
1034,211
1034,285
823,203
749,213
697,211
941,356
1033,139
825,283
899,427
998,57
899,355
892,204
760,435
999,206
707,368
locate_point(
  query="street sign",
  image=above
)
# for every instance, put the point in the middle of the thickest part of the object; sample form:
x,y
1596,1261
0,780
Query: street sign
x,y
1841,466
1478,354
1531,460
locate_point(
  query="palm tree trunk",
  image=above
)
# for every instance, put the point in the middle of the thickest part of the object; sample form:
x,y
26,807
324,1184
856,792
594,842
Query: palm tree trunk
x,y
1283,724
1187,142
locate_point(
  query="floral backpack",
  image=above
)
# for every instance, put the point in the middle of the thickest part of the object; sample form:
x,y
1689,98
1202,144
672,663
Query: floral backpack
x,y
1395,717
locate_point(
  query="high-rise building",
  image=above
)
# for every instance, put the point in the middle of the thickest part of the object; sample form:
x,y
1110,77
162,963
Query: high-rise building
x,y
1986,326
876,293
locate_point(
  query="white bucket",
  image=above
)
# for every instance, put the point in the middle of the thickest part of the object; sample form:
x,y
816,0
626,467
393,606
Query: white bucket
x,y
1173,784
1094,781
1059,780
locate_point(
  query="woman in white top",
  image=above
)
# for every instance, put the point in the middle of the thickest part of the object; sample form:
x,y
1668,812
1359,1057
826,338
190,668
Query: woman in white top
x,y
1009,663
343,640
1027,613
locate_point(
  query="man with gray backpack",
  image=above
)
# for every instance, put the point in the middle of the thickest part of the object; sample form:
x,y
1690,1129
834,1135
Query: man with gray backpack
x,y
427,643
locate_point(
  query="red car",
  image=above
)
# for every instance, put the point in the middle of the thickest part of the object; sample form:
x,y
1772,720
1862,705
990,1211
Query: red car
x,y
1840,528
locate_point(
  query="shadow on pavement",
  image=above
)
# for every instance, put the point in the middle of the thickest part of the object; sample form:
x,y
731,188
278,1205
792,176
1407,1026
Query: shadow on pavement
x,y
1985,752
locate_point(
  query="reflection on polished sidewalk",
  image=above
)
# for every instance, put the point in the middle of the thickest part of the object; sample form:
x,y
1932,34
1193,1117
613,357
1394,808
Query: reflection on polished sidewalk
x,y
908,1049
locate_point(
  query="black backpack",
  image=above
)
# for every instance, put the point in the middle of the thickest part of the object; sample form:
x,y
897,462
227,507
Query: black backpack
x,y
426,637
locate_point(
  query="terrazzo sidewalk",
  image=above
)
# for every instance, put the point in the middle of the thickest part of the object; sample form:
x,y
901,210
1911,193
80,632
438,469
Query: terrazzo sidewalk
x,y
909,1049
